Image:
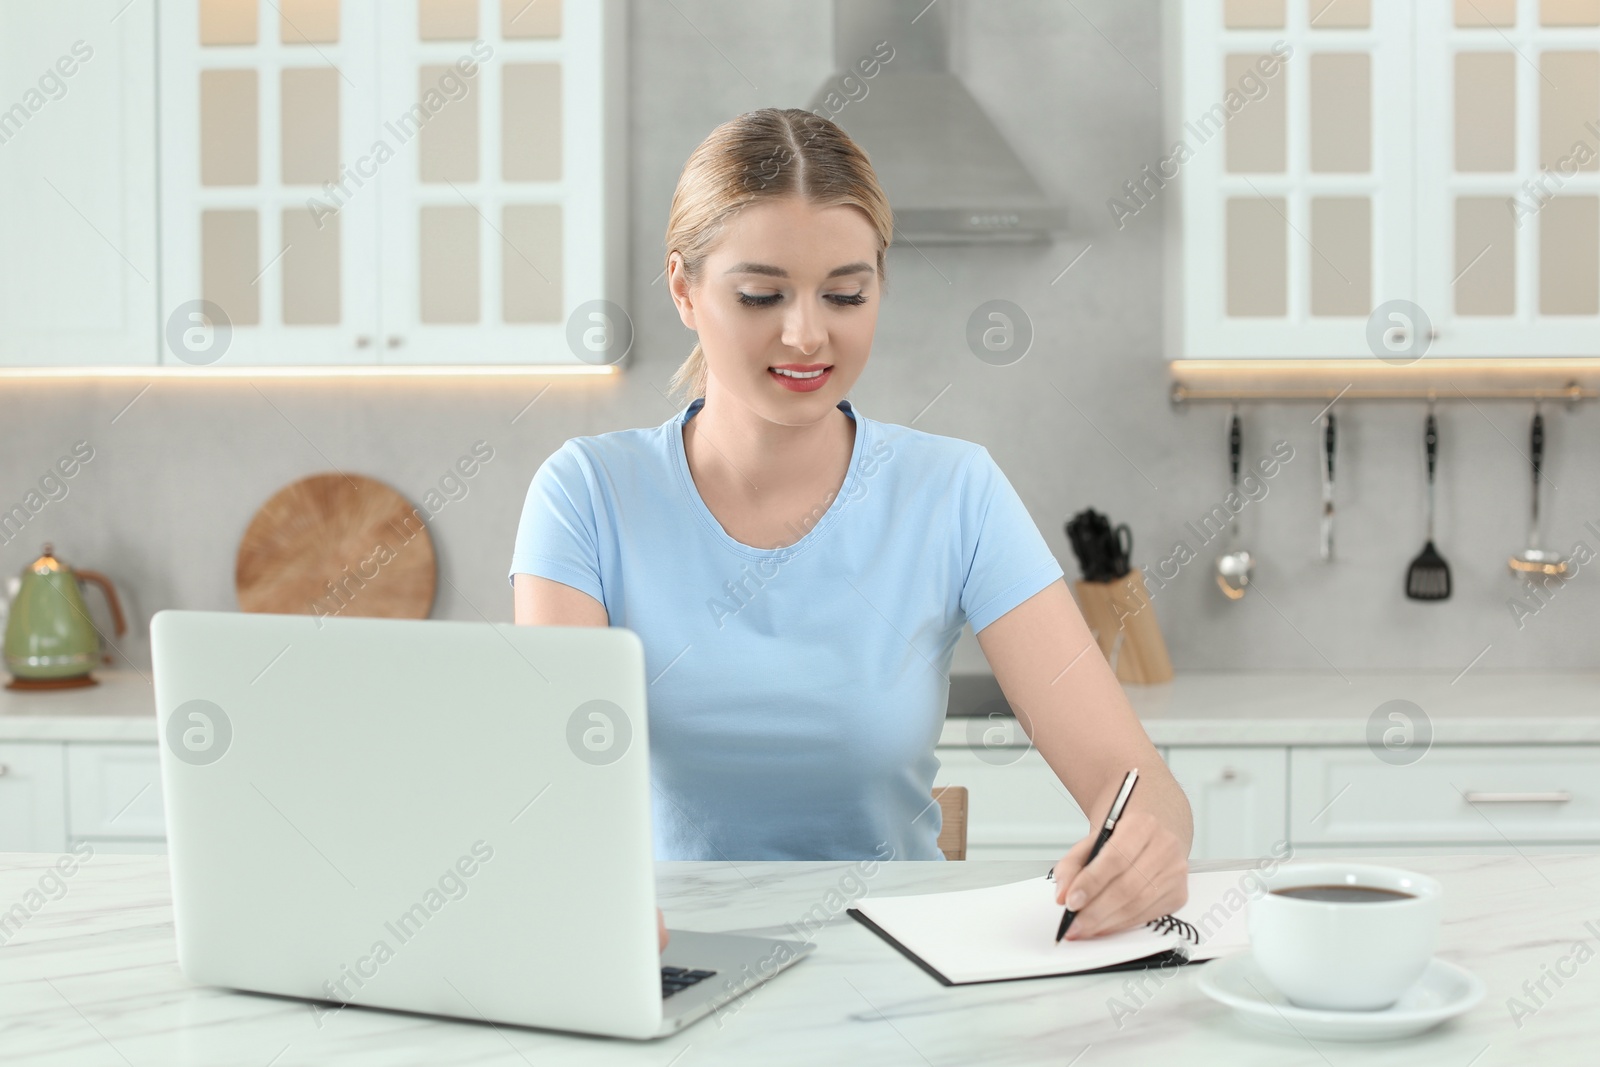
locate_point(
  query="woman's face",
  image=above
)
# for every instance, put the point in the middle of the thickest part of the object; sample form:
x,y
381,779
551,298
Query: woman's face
x,y
790,287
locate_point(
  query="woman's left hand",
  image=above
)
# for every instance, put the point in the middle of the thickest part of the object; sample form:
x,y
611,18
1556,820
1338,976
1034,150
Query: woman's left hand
x,y
1142,873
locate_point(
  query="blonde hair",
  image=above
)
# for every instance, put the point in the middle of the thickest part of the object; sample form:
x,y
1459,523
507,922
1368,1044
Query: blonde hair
x,y
764,155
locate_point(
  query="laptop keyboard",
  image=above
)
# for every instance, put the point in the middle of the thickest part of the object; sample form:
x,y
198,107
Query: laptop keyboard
x,y
674,979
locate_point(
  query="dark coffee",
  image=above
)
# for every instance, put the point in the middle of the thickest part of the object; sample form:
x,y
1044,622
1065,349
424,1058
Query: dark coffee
x,y
1344,894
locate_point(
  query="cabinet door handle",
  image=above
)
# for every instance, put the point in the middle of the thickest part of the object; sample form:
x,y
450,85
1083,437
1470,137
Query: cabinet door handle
x,y
362,341
1229,774
395,340
1553,796
4,770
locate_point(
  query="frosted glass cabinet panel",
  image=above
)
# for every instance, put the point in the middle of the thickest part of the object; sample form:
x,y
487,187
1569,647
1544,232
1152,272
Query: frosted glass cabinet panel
x,y
1339,14
389,181
1508,226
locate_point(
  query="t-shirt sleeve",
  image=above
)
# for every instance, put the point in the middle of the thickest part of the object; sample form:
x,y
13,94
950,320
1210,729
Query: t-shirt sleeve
x,y
1007,560
556,538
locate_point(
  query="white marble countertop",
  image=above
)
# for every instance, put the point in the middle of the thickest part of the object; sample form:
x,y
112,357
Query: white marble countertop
x,y
1327,708
121,708
92,978
1195,708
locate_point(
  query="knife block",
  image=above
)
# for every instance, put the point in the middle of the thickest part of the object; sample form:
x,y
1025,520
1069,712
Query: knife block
x,y
1123,621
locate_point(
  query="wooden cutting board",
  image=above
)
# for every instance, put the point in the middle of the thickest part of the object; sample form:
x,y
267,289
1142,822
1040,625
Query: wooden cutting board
x,y
337,544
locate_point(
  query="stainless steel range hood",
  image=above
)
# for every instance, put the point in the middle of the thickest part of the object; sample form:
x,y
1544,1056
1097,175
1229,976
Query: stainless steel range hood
x,y
950,175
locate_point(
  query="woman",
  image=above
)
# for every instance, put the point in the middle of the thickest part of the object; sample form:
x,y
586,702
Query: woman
x,y
799,573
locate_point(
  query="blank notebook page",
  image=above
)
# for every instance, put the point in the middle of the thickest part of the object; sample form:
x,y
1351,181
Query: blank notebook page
x,y
1008,931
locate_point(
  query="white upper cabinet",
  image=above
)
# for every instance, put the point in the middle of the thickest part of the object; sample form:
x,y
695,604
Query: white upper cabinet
x,y
263,105
391,181
78,270
1338,156
1509,235
502,218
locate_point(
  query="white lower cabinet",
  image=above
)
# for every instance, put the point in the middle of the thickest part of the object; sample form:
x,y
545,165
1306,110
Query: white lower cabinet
x,y
32,781
1017,807
1324,800
1238,796
54,794
114,796
1329,800
1471,794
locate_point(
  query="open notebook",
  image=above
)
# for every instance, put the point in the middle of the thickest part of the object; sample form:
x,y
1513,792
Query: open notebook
x,y
1008,931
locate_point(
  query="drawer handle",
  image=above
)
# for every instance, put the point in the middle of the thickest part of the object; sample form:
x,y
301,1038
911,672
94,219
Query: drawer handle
x,y
1554,796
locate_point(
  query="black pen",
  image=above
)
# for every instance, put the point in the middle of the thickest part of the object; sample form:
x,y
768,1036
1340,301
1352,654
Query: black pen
x,y
1100,842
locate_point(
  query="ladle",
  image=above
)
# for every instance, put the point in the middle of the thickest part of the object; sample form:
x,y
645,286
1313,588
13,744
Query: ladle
x,y
1533,559
1234,565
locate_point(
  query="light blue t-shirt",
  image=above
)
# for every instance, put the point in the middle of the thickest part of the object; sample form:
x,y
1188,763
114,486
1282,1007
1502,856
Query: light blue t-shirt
x,y
795,694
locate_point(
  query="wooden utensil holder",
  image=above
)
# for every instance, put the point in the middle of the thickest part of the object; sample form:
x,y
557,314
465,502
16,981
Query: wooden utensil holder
x,y
1123,620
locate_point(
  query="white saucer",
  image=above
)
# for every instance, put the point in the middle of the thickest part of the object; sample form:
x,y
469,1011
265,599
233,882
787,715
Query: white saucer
x,y
1443,991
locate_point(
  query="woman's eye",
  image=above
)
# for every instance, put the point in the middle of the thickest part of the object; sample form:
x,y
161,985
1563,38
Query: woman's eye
x,y
839,299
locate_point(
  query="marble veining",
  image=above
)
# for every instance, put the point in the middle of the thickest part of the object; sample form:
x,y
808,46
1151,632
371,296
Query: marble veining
x,y
92,978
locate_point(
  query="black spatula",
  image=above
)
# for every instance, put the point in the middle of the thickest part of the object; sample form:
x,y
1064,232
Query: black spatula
x,y
1429,576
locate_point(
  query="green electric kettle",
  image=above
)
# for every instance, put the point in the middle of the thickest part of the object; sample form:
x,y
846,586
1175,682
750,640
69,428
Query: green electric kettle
x,y
50,641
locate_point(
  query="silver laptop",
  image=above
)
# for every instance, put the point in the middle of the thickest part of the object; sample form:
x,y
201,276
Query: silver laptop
x,y
440,817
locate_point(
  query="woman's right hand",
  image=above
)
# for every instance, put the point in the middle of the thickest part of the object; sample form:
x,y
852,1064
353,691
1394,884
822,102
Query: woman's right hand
x,y
661,925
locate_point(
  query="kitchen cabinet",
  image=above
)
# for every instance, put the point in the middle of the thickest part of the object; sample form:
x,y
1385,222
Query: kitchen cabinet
x,y
1476,794
341,182
1250,800
1238,796
1357,173
114,794
78,184
54,794
32,783
1016,806
405,182
1508,151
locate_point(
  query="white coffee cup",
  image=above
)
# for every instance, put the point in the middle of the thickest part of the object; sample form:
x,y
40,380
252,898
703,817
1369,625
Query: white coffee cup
x,y
1348,956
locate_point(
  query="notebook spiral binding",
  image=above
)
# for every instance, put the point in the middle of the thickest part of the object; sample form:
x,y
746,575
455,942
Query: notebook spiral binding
x,y
1171,924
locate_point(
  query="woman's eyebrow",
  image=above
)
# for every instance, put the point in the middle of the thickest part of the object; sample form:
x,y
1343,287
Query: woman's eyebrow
x,y
858,267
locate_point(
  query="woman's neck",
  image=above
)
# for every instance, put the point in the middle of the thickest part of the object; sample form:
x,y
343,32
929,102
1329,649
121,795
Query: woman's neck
x,y
738,454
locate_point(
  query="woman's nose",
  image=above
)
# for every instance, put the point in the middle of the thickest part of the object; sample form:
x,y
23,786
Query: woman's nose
x,y
803,330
